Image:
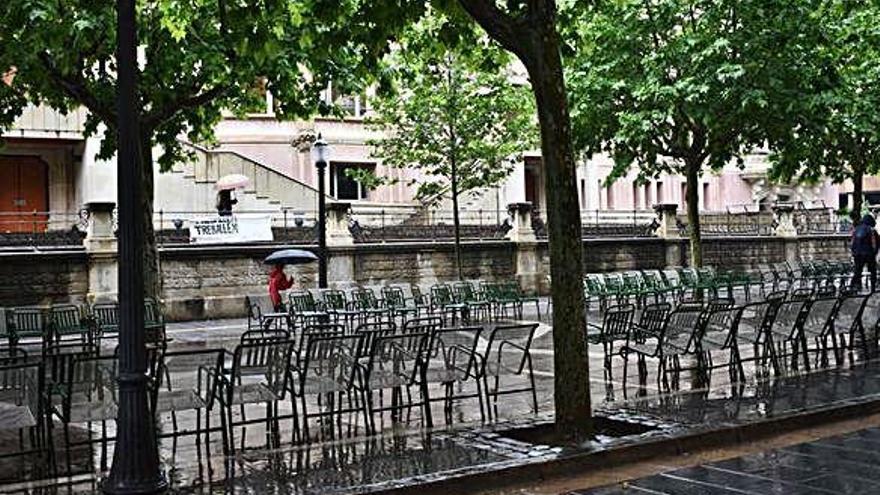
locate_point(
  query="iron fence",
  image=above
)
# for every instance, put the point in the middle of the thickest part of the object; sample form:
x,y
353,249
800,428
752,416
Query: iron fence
x,y
606,223
43,228
427,225
737,220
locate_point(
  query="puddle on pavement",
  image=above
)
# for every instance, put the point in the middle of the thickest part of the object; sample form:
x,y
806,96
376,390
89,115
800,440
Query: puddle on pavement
x,y
605,429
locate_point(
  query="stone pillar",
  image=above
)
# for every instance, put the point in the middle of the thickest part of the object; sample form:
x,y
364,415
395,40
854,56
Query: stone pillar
x,y
100,244
783,215
526,247
667,229
337,225
521,222
667,219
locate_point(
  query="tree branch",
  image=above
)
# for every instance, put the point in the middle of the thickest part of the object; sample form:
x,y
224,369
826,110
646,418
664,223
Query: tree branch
x,y
500,26
159,116
75,87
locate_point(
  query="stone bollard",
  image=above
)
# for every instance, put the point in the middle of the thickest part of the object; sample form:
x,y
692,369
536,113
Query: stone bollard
x,y
521,222
337,224
668,219
101,246
783,215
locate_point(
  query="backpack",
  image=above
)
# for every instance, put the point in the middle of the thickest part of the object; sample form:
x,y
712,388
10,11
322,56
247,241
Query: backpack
x,y
863,241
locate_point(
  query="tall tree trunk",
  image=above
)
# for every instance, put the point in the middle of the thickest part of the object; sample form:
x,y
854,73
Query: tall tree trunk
x,y
858,189
456,222
152,277
536,43
693,212
571,365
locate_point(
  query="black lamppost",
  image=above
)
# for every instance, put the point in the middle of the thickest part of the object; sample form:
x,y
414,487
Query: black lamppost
x,y
136,457
321,156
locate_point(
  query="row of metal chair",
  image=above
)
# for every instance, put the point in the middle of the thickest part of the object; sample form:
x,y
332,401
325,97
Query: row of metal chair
x,y
785,325
463,301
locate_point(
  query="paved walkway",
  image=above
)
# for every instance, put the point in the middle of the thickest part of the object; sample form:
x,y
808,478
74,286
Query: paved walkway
x,y
407,454
843,464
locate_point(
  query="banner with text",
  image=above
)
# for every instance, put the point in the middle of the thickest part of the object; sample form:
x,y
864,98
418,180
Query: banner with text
x,y
227,230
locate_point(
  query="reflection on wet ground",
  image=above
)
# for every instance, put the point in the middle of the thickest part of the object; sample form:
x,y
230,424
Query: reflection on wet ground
x,y
843,464
407,453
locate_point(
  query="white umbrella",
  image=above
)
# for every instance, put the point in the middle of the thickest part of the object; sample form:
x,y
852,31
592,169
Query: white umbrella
x,y
232,181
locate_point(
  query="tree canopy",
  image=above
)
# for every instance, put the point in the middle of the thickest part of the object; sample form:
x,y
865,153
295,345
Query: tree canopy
x,y
829,125
671,86
452,112
197,59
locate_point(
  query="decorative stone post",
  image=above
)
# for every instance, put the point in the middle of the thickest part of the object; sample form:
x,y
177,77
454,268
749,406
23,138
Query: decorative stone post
x,y
101,245
667,229
783,214
337,225
521,222
526,253
668,221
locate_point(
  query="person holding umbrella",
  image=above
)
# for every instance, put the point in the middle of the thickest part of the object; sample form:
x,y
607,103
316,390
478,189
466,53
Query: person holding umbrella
x,y
278,280
225,185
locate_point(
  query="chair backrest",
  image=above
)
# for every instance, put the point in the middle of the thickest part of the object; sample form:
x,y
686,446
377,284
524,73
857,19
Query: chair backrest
x,y
509,346
870,315
671,278
332,357
464,291
106,316
441,295
849,312
395,360
22,384
653,316
682,324
613,282
688,277
268,357
369,331
776,296
301,301
28,322
755,318
394,297
335,299
617,321
455,349
820,314
632,281
593,284
258,305
263,335
424,324
721,320
67,319
364,298
801,294
788,316
315,331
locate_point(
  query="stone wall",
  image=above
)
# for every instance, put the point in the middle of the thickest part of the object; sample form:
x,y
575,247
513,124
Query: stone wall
x,y
35,278
210,282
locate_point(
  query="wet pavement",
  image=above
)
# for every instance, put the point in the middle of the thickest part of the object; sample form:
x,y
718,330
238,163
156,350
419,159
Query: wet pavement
x,y
843,464
406,453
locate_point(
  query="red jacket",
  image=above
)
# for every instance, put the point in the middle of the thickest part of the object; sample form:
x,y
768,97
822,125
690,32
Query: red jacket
x,y
277,283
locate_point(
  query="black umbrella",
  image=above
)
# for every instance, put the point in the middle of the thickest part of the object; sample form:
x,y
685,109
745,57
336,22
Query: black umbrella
x,y
290,257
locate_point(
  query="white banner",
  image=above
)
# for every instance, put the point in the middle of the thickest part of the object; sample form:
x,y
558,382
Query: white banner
x,y
226,230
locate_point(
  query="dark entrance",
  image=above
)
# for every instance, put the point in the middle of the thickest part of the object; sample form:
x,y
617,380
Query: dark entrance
x,y
24,194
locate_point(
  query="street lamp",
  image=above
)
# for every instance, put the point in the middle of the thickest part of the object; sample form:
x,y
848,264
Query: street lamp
x,y
136,457
321,157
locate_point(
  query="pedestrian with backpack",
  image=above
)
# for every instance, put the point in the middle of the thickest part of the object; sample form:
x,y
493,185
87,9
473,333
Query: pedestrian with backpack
x,y
864,250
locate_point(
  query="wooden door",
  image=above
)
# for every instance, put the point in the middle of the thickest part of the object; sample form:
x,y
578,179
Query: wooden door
x,y
24,196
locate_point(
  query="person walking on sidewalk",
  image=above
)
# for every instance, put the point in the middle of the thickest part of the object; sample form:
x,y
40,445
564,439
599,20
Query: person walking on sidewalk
x,y
864,245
